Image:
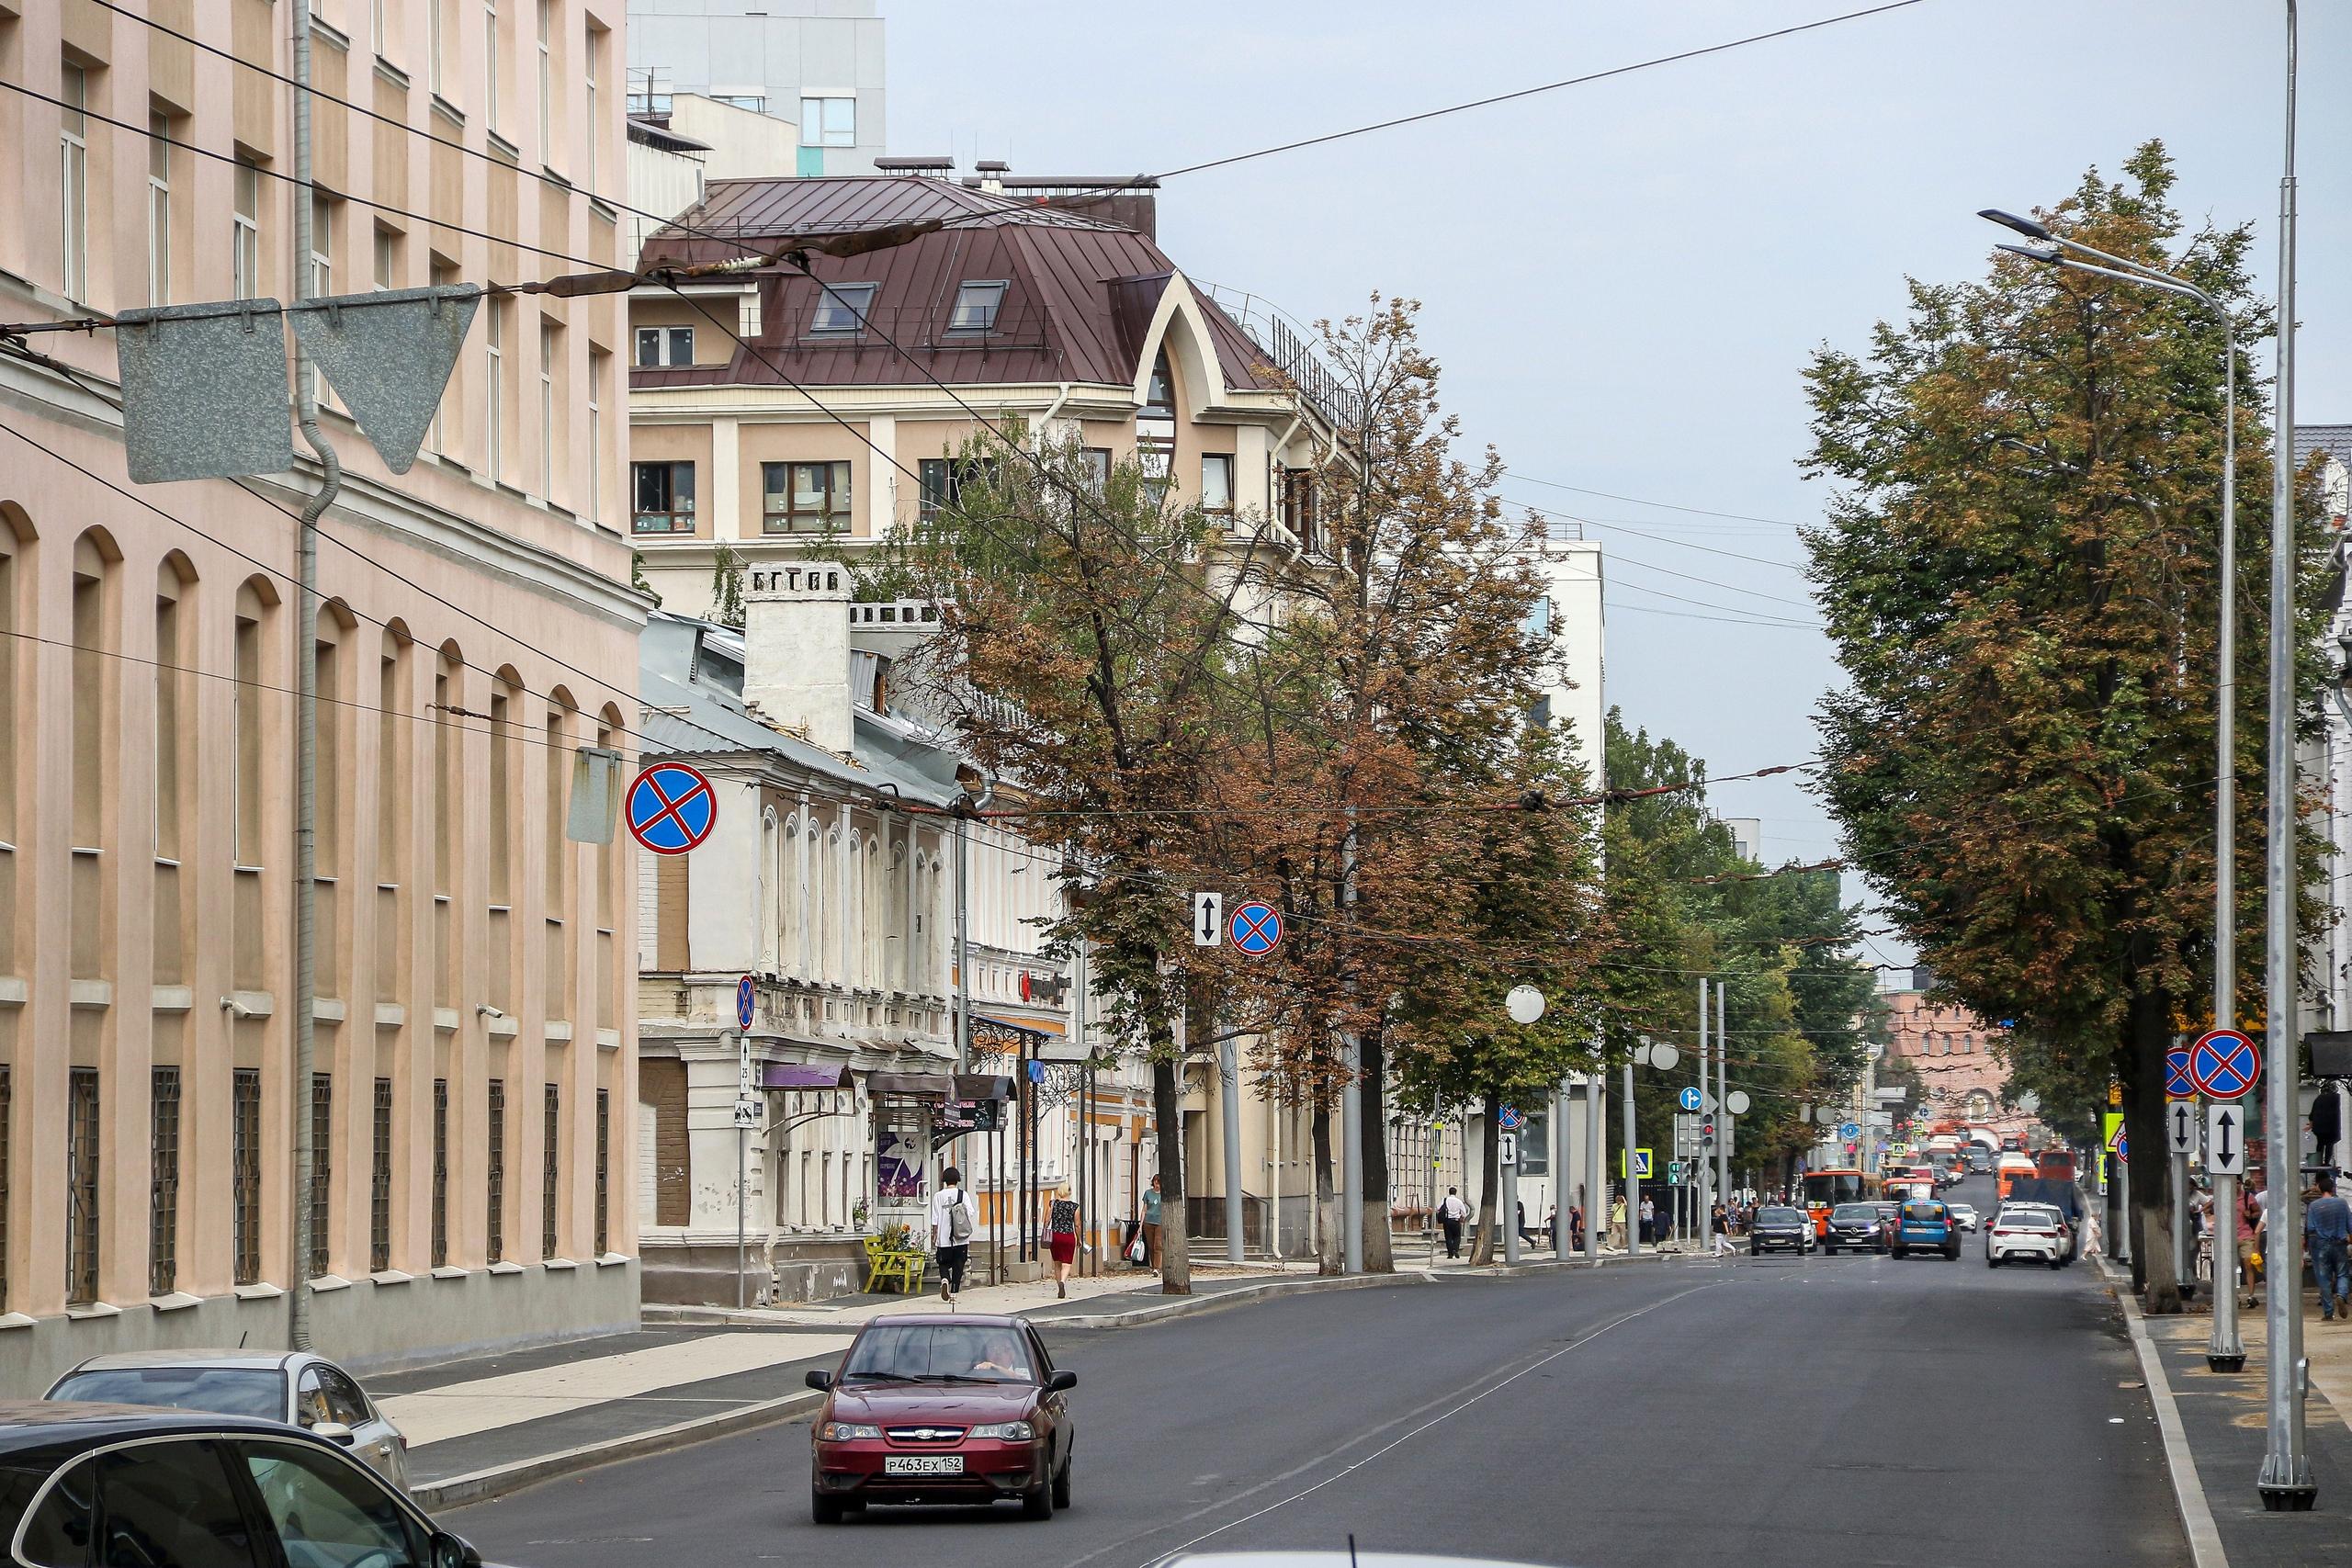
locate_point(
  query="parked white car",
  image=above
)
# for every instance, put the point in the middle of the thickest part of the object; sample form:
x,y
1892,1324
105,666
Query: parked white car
x,y
2023,1235
299,1389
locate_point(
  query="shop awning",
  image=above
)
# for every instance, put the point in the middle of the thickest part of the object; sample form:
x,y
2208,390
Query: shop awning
x,y
803,1074
943,1086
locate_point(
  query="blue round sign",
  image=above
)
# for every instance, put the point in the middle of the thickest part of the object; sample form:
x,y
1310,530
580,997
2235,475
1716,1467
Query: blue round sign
x,y
1689,1098
2179,1083
745,996
672,808
1506,1118
1849,1131
1257,927
2224,1063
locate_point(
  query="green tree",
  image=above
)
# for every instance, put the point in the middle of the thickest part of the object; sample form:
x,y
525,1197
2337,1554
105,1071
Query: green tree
x,y
2020,576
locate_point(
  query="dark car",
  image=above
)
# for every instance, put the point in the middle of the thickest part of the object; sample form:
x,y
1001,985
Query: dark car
x,y
85,1483
1927,1224
931,1408
1853,1225
1778,1227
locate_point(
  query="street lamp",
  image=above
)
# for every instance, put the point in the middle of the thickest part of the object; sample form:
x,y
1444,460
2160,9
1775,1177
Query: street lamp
x,y
2224,1351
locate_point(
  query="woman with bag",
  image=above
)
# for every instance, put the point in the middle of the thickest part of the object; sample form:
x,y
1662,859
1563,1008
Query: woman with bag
x,y
1061,1240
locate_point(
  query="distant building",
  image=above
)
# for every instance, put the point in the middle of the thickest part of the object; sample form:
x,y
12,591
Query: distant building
x,y
1952,1051
1746,837
817,63
1571,614
2330,951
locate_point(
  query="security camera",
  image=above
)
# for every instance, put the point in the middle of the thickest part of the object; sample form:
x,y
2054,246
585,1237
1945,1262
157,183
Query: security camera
x,y
487,1011
235,1008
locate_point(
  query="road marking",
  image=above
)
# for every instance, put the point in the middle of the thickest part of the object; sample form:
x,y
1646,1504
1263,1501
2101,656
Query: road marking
x,y
2188,1492
1398,1441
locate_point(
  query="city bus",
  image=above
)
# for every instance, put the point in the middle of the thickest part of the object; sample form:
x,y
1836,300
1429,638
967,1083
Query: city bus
x,y
2009,1170
1824,1189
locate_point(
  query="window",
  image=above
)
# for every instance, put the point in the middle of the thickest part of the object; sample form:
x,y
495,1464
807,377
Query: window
x,y
1538,623
604,1165
442,273
379,1181
387,257
665,498
7,1121
1216,482
434,50
943,480
321,1166
244,1174
840,307
494,365
321,246
81,1187
376,26
665,345
551,1173
975,307
598,363
595,52
1299,506
805,498
58,1532
164,1184
1097,460
440,1173
496,1190
73,178
1160,394
490,63
547,82
341,1515
159,211
244,231
551,346
173,1503
829,122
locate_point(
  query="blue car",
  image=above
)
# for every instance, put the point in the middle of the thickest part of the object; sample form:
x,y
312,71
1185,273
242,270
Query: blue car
x,y
1925,1224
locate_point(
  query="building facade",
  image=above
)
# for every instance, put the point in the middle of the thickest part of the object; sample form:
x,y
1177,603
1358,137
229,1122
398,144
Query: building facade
x,y
474,1080
1953,1052
817,63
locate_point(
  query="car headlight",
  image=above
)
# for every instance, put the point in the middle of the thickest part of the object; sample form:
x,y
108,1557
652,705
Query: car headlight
x,y
1009,1431
842,1431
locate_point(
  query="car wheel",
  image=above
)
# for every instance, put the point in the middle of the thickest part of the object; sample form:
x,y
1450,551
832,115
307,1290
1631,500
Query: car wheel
x,y
1756,1249
1061,1484
1991,1261
2056,1264
1038,1505
824,1510
1902,1252
1830,1249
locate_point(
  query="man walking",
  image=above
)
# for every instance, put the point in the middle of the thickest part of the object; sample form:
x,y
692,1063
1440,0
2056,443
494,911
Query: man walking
x,y
1719,1222
954,1218
1449,1216
2327,1228
1649,1220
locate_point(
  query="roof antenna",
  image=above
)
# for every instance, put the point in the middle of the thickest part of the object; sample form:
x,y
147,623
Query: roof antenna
x,y
1352,1550
242,1337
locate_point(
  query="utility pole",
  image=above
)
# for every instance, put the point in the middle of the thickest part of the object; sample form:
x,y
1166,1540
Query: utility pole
x,y
1723,1094
2286,1478
1228,1071
1350,1094
1699,1155
1632,1180
1595,1163
306,714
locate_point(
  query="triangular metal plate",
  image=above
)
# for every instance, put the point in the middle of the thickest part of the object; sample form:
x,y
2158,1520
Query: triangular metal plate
x,y
204,392
388,355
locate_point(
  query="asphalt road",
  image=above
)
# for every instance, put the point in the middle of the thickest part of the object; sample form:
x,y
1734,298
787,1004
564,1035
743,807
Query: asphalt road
x,y
1777,1411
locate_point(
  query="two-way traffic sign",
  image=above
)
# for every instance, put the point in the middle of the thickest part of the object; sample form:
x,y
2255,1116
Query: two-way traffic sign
x,y
2225,1139
1208,919
1507,1149
2180,1126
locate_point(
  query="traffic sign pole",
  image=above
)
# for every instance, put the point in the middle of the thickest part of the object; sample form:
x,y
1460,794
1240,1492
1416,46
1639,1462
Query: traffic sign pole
x,y
1633,1181
742,1153
1706,1176
1509,1217
2223,1067
1723,1092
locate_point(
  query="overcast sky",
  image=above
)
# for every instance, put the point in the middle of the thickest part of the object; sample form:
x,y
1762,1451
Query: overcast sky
x,y
1623,280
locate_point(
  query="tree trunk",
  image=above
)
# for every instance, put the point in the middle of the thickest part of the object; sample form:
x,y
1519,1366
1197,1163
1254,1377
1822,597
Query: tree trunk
x,y
1378,1256
1166,1113
2155,1271
1327,1230
1490,1115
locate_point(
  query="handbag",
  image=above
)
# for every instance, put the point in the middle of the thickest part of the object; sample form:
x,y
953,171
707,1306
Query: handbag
x,y
1137,1252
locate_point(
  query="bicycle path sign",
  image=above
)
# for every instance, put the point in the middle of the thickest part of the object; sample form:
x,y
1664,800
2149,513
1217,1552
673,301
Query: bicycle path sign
x,y
672,808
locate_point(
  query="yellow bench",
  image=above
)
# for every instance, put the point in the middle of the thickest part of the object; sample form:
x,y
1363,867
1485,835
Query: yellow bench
x,y
882,1267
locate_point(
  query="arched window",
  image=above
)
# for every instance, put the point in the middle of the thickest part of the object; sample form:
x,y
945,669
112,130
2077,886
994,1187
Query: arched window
x,y
97,688
770,895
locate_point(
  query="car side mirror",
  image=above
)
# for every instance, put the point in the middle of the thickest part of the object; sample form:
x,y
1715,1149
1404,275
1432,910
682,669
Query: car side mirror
x,y
453,1552
334,1432
1060,1381
819,1378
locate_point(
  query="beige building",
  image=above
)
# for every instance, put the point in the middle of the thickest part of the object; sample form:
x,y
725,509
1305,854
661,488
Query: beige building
x,y
475,1079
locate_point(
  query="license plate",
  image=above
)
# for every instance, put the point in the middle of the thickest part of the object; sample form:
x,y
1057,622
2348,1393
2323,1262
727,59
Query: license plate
x,y
923,1464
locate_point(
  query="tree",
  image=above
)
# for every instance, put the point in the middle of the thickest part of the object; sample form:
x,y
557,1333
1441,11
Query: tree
x,y
2020,581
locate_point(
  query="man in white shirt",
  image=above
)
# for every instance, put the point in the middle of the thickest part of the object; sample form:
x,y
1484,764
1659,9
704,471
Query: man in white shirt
x,y
954,1219
1449,1216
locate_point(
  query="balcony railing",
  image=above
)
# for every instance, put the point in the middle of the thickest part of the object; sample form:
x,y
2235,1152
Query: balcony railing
x,y
1288,348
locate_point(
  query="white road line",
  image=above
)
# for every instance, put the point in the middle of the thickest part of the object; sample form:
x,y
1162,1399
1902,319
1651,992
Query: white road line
x,y
2188,1492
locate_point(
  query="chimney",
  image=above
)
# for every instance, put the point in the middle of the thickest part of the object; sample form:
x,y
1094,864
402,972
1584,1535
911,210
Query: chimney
x,y
795,650
992,173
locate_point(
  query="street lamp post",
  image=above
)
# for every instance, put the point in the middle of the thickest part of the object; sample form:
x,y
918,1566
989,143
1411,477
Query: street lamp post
x,y
2225,1352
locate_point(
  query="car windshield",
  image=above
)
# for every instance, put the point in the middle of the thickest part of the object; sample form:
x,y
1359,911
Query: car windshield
x,y
1855,1213
220,1390
932,1352
1779,1217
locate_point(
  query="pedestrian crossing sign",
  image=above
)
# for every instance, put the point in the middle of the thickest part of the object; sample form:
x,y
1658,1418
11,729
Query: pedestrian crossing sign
x,y
1641,1164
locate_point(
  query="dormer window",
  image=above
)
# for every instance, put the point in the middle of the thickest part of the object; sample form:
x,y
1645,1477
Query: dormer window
x,y
840,307
975,307
1160,401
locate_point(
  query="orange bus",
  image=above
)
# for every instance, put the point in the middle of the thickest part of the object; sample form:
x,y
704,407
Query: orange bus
x,y
2010,1169
1824,1189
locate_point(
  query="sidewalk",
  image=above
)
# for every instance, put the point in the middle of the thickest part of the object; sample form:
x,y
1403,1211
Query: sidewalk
x,y
2220,1435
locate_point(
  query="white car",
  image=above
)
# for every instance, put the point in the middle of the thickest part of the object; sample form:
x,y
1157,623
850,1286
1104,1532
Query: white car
x,y
1966,1215
2023,1235
295,1387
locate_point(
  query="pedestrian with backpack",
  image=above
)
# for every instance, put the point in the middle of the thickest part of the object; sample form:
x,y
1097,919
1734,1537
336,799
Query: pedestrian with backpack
x,y
954,1218
1449,1216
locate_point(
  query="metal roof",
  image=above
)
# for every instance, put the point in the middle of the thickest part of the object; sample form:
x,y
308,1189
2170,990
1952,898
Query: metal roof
x,y
1078,289
2334,439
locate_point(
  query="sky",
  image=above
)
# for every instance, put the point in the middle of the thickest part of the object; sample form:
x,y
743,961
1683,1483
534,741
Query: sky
x,y
1624,280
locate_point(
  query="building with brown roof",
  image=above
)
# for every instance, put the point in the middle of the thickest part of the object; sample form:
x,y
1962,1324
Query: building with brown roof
x,y
766,410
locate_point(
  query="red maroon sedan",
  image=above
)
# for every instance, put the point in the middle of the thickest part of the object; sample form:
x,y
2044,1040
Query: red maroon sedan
x,y
943,1409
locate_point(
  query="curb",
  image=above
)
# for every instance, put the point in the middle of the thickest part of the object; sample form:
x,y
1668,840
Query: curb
x,y
1188,1306
482,1485
2188,1492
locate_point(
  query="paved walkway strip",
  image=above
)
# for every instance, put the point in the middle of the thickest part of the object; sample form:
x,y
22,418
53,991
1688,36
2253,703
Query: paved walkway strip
x,y
2189,1493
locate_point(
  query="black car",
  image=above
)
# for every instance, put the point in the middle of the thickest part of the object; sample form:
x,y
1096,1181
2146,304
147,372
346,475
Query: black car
x,y
1854,1225
89,1484
1781,1228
